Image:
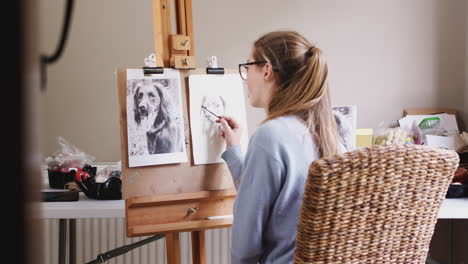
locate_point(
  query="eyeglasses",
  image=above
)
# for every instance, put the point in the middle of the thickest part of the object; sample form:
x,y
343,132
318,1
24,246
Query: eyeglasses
x,y
244,68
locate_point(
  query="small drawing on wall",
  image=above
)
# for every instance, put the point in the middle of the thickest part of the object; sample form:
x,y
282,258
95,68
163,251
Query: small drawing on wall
x,y
345,116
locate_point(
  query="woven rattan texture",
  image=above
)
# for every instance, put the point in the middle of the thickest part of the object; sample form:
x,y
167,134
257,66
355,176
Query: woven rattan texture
x,y
373,205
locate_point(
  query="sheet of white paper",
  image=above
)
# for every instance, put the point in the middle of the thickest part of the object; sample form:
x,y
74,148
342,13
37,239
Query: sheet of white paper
x,y
448,122
155,122
224,96
347,130
441,142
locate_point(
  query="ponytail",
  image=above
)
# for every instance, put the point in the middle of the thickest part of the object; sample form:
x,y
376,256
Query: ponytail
x,y
302,85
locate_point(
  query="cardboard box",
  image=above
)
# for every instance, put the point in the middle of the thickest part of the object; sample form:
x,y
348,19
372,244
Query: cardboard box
x,y
428,111
364,137
433,111
453,142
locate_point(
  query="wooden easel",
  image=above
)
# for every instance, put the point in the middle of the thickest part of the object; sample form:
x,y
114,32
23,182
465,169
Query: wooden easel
x,y
174,50
175,198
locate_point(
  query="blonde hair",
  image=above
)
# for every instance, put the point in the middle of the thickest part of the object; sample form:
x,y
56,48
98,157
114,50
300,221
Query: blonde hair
x,y
301,74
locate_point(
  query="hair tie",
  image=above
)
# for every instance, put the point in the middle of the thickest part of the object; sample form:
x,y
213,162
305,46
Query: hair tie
x,y
310,52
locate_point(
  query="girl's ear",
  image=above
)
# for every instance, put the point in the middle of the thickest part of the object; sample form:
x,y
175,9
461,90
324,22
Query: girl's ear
x,y
268,71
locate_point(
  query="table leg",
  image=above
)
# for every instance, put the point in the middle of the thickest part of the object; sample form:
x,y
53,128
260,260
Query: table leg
x,y
72,240
62,240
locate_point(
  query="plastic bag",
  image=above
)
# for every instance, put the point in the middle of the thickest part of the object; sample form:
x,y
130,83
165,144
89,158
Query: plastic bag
x,y
379,137
108,172
417,134
429,126
429,123
396,135
69,156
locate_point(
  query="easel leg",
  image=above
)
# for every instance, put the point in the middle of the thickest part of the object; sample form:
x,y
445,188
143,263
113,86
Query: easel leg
x,y
198,247
173,248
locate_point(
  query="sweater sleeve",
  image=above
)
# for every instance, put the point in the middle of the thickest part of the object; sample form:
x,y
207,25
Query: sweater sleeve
x,y
234,159
256,195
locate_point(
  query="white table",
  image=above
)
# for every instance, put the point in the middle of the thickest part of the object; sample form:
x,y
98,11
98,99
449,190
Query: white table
x,y
84,208
454,208
68,212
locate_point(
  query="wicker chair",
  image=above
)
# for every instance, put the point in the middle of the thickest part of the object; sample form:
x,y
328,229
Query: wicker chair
x,y
373,205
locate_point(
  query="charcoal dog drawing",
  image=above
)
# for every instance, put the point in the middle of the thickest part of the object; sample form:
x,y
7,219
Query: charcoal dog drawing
x,y
154,114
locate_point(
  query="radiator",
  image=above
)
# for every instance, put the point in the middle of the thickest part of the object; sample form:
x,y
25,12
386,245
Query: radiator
x,y
98,235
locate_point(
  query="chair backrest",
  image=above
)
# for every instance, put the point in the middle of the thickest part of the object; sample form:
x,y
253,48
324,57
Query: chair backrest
x,y
373,205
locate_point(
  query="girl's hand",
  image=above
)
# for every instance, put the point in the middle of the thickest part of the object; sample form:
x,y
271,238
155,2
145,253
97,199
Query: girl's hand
x,y
231,131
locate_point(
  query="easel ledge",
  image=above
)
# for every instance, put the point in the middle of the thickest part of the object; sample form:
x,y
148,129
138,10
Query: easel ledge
x,y
199,225
135,202
182,212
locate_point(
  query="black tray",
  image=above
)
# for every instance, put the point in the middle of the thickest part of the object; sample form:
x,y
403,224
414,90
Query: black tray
x,y
66,196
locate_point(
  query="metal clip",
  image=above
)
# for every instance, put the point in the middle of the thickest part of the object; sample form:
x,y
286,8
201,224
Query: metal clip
x,y
213,66
212,62
150,61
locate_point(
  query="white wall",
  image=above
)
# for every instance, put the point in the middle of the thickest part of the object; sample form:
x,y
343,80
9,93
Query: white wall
x,y
383,56
81,99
